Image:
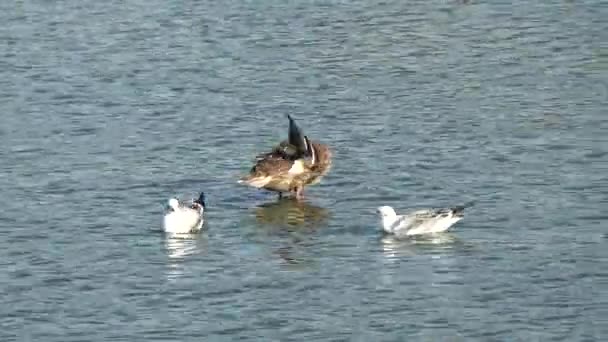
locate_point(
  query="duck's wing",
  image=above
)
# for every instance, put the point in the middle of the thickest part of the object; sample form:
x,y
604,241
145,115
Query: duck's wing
x,y
271,165
273,168
284,150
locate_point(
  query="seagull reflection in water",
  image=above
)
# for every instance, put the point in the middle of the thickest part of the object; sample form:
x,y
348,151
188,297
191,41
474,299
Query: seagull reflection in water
x,y
179,248
394,248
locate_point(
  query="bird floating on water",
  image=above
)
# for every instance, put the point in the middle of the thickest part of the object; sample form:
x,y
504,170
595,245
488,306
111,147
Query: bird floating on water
x,y
181,219
291,165
425,221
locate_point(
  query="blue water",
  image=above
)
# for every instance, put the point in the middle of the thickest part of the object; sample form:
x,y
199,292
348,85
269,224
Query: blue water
x,y
110,108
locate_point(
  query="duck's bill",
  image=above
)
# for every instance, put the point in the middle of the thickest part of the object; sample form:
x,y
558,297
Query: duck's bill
x,y
310,151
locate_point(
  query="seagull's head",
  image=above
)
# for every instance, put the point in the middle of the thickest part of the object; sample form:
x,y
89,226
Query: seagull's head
x,y
173,204
386,211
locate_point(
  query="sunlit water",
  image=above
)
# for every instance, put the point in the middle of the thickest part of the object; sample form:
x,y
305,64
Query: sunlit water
x,y
110,108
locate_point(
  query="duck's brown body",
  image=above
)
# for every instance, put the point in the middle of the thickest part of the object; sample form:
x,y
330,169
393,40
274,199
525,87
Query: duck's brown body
x,y
281,171
290,167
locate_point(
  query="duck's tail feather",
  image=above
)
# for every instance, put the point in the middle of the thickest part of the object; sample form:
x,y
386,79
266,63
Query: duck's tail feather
x,y
296,137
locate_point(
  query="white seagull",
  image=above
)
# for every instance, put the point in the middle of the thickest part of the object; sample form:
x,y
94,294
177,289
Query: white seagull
x,y
181,219
425,221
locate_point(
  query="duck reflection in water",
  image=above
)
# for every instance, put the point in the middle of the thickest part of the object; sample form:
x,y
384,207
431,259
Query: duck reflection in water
x,y
292,213
291,221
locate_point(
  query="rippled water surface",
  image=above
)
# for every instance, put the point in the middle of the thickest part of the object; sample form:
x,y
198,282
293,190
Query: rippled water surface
x,y
110,108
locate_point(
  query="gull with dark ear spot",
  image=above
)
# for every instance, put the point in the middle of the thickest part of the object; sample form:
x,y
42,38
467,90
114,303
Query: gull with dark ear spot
x,y
291,165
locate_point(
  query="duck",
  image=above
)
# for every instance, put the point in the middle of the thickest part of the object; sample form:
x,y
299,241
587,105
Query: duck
x,y
291,165
419,222
183,219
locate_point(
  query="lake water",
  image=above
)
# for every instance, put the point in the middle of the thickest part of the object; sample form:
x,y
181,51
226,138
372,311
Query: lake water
x,y
110,108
